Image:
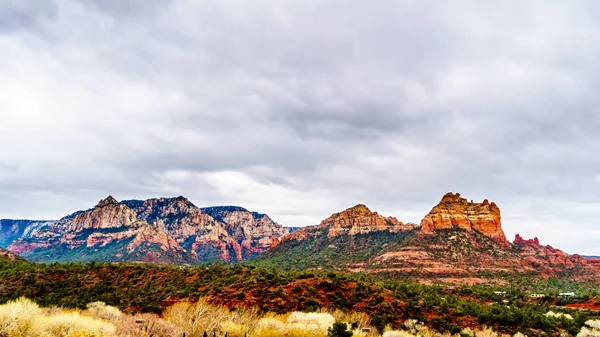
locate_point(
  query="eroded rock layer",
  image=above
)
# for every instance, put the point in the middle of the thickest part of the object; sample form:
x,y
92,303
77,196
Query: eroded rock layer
x,y
352,221
454,211
165,230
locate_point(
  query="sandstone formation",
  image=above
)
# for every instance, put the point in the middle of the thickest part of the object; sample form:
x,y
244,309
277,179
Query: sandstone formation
x,y
359,220
452,246
454,211
536,254
168,230
177,216
355,220
593,261
251,233
109,213
530,242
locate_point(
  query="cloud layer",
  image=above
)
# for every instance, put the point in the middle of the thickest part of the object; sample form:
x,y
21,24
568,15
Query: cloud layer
x,y
303,108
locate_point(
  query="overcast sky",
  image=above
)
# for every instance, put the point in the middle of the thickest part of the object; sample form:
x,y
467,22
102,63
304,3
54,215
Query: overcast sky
x,y
303,108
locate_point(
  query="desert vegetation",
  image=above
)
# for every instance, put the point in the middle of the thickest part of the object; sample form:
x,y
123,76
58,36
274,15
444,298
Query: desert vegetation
x,y
246,293
24,318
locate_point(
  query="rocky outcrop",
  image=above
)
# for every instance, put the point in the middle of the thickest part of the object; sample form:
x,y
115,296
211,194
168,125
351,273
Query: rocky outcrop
x,y
454,211
109,213
593,261
352,221
176,216
359,220
530,242
547,256
7,255
251,233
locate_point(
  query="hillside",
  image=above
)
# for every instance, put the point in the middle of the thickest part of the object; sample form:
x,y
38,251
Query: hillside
x,y
152,288
163,230
458,242
8,257
593,260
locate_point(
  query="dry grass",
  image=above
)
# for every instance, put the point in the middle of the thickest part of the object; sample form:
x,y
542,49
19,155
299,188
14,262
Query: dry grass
x,y
24,318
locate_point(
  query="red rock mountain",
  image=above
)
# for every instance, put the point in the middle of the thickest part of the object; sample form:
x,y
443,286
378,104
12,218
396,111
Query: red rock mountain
x,y
165,230
109,213
355,220
458,242
454,211
359,220
594,261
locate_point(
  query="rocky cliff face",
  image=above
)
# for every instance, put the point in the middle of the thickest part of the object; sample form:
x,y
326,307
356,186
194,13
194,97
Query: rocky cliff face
x,y
548,257
360,219
454,211
167,230
177,216
10,230
352,221
108,213
250,233
593,261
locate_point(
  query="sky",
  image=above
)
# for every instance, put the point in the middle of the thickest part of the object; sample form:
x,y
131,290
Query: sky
x,y
300,109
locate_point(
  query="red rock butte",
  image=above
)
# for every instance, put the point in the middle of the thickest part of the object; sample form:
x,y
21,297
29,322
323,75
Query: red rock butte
x,y
454,211
359,219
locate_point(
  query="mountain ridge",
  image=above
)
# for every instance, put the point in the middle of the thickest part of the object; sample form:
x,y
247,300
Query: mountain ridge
x,y
163,230
457,239
458,242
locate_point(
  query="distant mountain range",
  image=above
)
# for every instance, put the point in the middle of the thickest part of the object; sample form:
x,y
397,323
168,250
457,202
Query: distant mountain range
x,y
457,240
164,230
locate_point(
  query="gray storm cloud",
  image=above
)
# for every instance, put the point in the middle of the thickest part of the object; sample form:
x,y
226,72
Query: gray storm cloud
x,y
301,109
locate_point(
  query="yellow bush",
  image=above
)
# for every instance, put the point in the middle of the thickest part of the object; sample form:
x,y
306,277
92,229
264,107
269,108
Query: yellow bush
x,y
69,323
101,310
16,317
397,333
315,323
233,329
24,318
269,327
83,333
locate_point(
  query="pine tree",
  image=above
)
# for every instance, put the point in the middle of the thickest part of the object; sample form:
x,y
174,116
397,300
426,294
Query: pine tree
x,y
339,329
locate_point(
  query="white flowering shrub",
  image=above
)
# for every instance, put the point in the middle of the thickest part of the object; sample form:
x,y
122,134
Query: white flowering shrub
x,y
591,329
558,315
413,325
101,310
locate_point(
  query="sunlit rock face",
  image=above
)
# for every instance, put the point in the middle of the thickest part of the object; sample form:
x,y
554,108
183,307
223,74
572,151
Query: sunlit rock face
x,y
360,219
454,211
